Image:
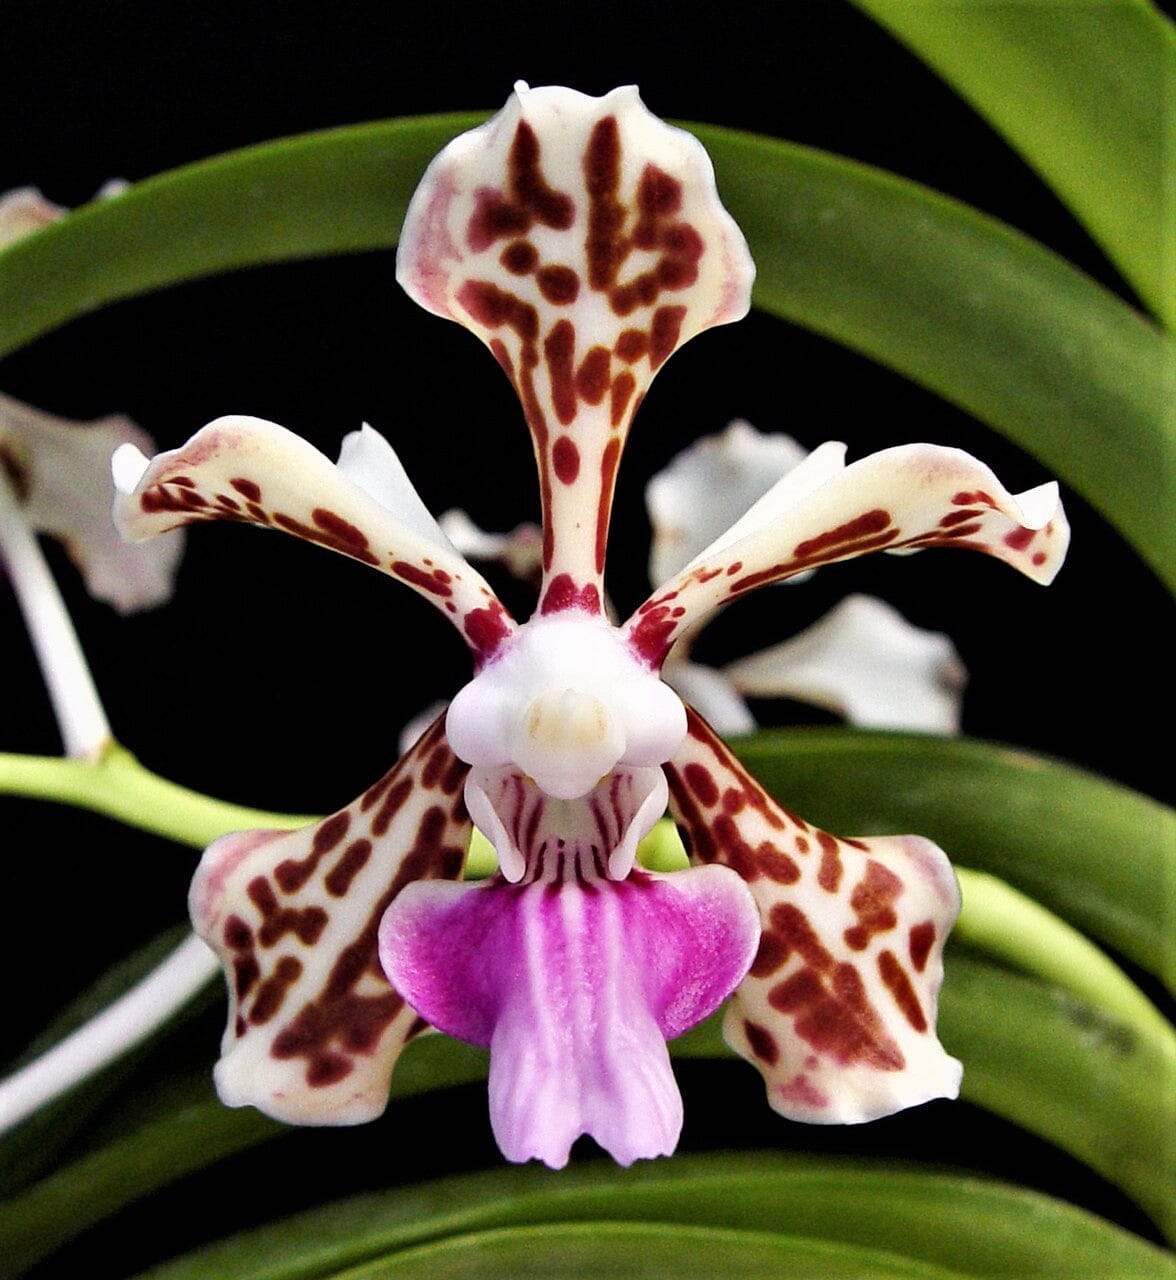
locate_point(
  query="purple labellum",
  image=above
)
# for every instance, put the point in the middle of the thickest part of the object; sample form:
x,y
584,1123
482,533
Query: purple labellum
x,y
574,982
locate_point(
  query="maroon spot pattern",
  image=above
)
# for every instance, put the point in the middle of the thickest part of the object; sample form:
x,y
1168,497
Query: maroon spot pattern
x,y
655,627
873,902
563,593
801,977
487,629
919,943
526,335
351,1014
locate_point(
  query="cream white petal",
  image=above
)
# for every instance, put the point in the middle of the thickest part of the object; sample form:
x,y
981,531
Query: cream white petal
x,y
368,460
520,551
864,661
713,695
252,471
63,477
707,487
898,500
23,211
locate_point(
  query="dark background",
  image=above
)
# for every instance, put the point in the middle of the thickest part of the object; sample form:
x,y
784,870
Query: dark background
x,y
280,676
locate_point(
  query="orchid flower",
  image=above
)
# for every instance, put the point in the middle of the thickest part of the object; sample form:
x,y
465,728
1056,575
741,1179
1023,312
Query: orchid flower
x,y
24,210
583,241
59,469
60,473
862,660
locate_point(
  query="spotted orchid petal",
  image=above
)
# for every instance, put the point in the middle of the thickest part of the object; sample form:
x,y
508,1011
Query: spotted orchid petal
x,y
249,470
574,980
60,468
898,500
864,661
60,472
838,1008
583,241
314,1028
707,487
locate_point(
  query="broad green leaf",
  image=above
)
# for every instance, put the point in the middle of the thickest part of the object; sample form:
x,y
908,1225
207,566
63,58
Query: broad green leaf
x,y
338,191
601,1250
1062,1069
1059,1068
971,309
1043,1060
960,303
1007,926
962,1223
183,1130
1054,1065
1101,856
1083,92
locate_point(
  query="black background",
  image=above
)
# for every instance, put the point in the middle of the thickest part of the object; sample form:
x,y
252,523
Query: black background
x,y
281,675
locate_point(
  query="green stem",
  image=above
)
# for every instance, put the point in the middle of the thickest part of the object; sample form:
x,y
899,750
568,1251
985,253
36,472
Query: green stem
x,y
1007,925
118,786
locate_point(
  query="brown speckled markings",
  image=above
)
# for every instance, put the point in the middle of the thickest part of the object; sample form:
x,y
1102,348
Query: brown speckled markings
x,y
314,1027
902,499
523,305
254,472
838,1008
583,241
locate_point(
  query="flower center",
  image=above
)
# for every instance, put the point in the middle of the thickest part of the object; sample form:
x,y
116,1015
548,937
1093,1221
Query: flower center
x,y
539,836
566,705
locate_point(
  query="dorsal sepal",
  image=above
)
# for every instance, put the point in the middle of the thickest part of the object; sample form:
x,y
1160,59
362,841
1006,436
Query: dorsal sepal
x,y
583,241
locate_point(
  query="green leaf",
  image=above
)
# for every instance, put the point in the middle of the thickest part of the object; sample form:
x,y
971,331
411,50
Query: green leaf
x,y
1099,855
184,1129
1005,925
971,309
960,303
337,191
599,1250
1062,1069
1083,92
1054,1065
1040,1058
974,1227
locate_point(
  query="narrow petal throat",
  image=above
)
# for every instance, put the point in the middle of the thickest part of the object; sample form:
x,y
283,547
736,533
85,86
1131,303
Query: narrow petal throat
x,y
583,241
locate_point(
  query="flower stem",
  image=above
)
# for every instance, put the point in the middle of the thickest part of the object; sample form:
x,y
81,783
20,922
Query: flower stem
x,y
117,1029
117,785
80,717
